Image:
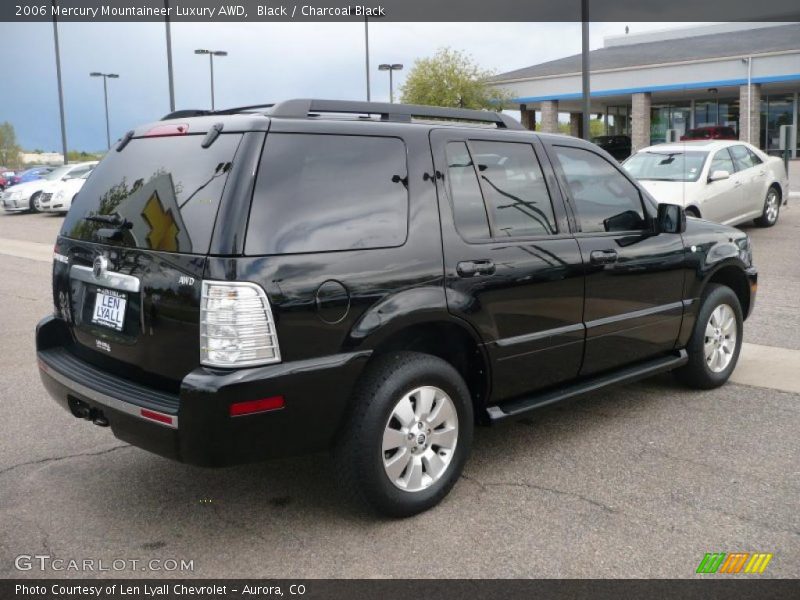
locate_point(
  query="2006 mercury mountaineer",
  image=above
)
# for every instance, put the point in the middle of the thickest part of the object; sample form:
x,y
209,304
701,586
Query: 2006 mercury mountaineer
x,y
374,279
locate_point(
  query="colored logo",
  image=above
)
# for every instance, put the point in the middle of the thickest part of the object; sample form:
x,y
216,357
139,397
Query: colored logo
x,y
734,562
163,233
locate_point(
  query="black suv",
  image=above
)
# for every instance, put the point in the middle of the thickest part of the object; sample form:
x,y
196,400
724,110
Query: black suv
x,y
373,279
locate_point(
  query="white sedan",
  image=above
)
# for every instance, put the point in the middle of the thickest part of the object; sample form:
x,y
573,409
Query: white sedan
x,y
59,198
728,182
24,197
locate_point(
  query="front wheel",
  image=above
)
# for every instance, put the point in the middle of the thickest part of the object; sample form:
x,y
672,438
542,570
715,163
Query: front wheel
x,y
716,341
409,435
34,203
772,209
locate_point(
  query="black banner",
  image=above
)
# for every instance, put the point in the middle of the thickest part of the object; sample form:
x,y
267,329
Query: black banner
x,y
397,10
731,588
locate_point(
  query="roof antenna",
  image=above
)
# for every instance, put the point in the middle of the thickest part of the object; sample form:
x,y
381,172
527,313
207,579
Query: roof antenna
x,y
627,30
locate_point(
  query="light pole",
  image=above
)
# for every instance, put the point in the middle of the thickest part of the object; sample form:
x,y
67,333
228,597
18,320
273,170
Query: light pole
x,y
211,55
105,77
366,52
391,69
169,60
60,88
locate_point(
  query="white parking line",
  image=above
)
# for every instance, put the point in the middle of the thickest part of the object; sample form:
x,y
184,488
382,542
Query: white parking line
x,y
24,249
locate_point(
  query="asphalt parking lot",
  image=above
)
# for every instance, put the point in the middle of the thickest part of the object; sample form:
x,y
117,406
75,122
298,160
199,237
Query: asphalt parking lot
x,y
635,481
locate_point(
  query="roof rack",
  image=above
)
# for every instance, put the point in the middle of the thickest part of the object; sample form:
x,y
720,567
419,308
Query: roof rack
x,y
303,108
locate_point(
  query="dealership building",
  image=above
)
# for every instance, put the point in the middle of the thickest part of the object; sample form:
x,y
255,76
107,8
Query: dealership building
x,y
654,86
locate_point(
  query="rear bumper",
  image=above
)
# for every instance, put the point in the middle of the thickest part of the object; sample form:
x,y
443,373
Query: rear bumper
x,y
195,425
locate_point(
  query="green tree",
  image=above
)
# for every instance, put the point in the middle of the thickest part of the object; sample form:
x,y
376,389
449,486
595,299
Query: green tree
x,y
83,156
9,149
451,78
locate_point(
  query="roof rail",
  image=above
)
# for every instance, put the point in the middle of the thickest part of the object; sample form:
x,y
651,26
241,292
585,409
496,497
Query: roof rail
x,y
302,108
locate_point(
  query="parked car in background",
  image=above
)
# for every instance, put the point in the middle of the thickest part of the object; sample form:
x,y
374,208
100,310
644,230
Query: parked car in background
x,y
713,132
25,196
723,181
6,179
60,197
618,146
32,174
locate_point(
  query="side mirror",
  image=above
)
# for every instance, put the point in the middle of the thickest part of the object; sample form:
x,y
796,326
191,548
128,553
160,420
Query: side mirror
x,y
671,218
718,175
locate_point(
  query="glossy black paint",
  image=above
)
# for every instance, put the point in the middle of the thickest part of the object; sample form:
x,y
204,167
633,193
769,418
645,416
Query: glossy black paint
x,y
540,311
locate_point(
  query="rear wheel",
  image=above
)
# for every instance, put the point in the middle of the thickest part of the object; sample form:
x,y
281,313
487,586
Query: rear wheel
x,y
692,212
716,341
772,208
406,442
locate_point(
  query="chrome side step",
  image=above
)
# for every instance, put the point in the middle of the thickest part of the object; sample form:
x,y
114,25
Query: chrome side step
x,y
520,406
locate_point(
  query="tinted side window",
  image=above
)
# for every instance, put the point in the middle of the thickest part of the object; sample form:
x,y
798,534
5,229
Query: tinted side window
x,y
743,157
317,193
515,190
468,208
722,162
604,199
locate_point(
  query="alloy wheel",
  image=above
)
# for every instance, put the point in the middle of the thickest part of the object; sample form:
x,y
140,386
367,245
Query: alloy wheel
x,y
772,208
719,344
420,438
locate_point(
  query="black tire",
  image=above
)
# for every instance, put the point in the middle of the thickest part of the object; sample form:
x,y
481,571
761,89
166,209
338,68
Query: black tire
x,y
772,208
692,212
358,452
32,206
697,373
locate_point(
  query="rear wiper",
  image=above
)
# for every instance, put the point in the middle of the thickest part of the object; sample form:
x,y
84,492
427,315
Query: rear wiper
x,y
119,224
112,219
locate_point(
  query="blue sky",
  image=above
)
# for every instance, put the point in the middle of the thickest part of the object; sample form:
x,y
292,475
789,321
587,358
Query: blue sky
x,y
266,62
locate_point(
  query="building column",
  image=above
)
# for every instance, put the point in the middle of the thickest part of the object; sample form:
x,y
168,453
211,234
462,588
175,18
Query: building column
x,y
576,124
640,121
549,116
754,117
527,117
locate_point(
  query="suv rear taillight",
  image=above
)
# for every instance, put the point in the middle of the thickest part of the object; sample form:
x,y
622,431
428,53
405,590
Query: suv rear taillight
x,y
236,326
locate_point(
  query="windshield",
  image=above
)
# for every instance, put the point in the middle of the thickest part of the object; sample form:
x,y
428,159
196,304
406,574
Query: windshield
x,y
166,189
666,165
58,173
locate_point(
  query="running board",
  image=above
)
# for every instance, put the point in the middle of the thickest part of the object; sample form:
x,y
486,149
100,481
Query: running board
x,y
519,406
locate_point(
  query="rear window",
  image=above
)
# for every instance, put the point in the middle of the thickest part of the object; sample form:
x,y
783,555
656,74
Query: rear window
x,y
319,193
167,188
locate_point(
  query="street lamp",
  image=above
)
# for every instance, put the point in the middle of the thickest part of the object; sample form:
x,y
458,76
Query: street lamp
x,y
106,77
366,52
211,55
391,69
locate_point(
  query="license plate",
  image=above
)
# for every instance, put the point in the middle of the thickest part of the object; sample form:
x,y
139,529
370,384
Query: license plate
x,y
109,309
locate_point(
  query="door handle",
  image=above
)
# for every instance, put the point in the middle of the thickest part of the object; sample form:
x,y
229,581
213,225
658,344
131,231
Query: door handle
x,y
737,184
470,268
603,257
